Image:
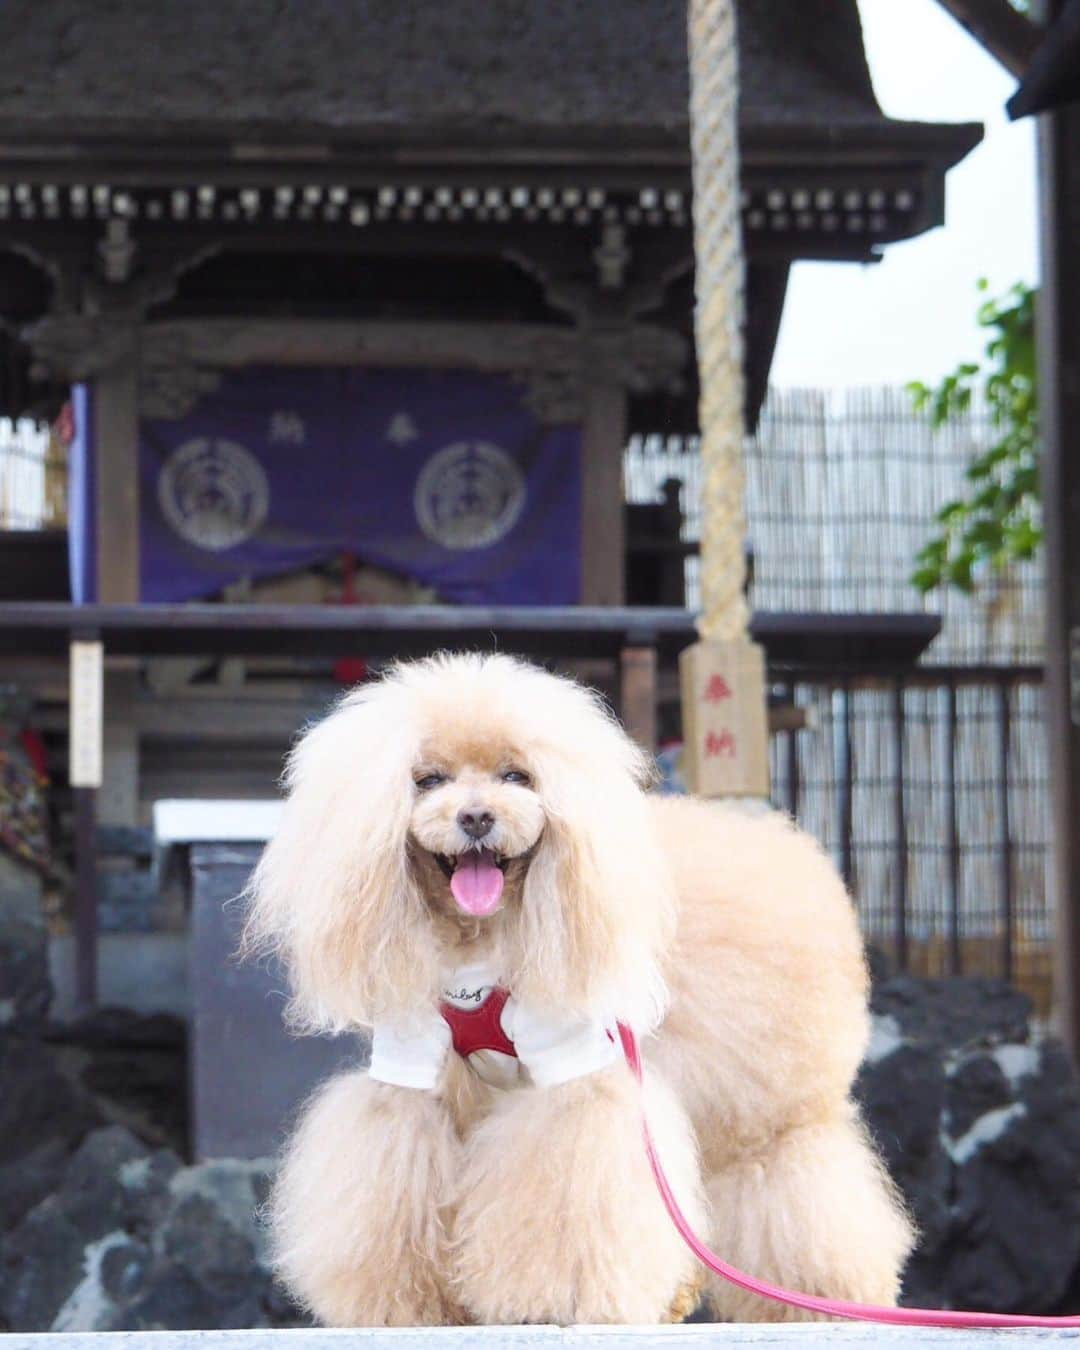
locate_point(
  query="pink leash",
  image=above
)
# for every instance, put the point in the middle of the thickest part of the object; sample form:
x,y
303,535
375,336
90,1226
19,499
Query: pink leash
x,y
858,1312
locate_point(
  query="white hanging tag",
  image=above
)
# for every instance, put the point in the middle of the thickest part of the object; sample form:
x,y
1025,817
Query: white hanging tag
x,y
87,714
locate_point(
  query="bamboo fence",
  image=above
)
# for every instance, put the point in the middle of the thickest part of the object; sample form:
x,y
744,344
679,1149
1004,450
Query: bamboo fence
x,y
842,489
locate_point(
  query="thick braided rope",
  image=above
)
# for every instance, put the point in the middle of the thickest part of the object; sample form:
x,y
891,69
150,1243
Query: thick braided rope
x,y
719,313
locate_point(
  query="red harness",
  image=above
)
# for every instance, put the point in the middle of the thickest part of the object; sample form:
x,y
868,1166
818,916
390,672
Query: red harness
x,y
479,1028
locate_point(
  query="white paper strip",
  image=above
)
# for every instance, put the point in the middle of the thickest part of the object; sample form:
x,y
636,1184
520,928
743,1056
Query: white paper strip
x,y
86,714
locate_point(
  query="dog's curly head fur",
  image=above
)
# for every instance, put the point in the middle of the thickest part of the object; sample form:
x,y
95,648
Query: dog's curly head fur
x,y
353,891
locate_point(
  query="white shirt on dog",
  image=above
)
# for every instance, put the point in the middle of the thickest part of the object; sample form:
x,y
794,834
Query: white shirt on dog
x,y
552,1047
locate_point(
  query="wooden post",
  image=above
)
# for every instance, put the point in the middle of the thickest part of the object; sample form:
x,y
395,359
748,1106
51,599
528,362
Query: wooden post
x,y
118,799
116,439
85,714
113,796
637,687
725,719
603,531
116,442
86,903
1058,319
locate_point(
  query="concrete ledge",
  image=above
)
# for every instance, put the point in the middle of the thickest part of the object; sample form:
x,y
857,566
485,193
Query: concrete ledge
x,y
696,1337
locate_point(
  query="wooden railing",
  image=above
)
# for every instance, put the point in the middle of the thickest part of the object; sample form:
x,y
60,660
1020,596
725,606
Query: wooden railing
x,y
928,785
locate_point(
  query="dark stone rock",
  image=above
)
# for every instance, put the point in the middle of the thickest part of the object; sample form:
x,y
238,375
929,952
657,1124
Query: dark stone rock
x,y
38,1101
903,1097
126,1270
979,1124
104,1151
29,1179
25,986
114,1182
55,1094
1017,1205
41,1262
236,1188
92,1196
175,1301
954,1013
879,965
197,1237
977,1085
111,1185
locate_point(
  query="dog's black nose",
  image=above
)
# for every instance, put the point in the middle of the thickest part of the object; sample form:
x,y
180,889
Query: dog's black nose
x,y
476,822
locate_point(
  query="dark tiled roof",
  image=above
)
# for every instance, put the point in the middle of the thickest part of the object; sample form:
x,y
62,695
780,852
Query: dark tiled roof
x,y
398,71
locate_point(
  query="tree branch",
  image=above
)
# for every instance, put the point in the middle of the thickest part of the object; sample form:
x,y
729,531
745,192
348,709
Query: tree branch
x,y
1003,31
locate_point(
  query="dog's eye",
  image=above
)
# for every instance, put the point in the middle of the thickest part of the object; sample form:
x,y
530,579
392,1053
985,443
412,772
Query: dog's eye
x,y
515,776
430,780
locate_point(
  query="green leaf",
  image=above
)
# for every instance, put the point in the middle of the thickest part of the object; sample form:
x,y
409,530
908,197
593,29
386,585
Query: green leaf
x,y
977,470
951,511
1022,539
984,534
997,521
958,573
986,499
934,551
925,579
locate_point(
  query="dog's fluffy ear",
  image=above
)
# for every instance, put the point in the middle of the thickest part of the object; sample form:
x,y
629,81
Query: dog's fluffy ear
x,y
333,896
598,908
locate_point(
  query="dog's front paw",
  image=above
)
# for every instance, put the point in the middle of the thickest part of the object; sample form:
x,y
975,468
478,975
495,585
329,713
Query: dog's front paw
x,y
558,1218
357,1212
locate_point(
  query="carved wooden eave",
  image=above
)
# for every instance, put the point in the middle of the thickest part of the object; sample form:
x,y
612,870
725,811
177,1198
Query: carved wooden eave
x,y
178,360
613,282
836,195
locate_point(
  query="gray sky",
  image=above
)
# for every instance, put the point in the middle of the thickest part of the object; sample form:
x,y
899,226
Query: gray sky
x,y
912,315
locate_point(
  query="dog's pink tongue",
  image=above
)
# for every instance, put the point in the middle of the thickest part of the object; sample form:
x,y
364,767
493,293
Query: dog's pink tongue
x,y
477,883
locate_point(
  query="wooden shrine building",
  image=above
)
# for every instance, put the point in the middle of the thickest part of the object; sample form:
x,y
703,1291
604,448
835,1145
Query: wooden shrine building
x,y
191,187
488,203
